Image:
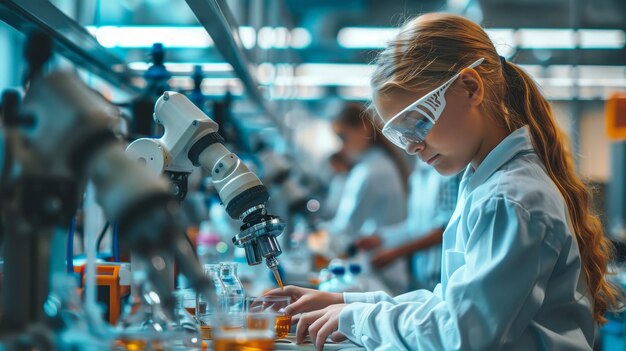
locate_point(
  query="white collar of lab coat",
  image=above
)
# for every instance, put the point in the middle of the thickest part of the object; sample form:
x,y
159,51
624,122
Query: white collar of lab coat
x,y
519,141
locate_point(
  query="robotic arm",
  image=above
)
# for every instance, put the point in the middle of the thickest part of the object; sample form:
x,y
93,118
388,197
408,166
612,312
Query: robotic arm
x,y
47,163
191,140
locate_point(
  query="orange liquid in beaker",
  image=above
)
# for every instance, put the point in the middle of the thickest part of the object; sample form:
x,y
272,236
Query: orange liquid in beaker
x,y
282,325
132,344
206,332
138,345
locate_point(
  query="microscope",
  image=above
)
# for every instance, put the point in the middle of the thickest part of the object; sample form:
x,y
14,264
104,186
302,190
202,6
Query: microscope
x,y
191,140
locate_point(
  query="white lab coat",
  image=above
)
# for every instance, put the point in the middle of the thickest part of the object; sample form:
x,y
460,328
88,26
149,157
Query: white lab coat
x,y
511,271
432,200
373,197
335,191
373,193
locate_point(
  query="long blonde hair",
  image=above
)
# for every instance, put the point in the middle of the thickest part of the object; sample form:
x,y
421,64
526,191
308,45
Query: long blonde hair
x,y
430,49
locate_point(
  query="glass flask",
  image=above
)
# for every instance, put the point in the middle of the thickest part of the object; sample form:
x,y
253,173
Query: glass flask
x,y
234,293
205,310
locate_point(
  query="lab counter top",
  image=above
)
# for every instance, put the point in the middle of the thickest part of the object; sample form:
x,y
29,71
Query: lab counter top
x,y
289,343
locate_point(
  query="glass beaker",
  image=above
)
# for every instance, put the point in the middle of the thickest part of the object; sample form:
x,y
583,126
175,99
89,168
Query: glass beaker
x,y
270,304
231,336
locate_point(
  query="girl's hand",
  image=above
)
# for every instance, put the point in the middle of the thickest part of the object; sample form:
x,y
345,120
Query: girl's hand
x,y
320,324
306,300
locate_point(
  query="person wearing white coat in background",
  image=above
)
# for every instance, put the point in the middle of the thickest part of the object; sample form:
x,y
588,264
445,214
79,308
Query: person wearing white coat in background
x,y
374,194
340,167
432,200
524,258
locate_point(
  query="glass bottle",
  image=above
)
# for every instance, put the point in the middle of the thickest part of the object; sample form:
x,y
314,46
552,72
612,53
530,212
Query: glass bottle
x,y
234,303
205,311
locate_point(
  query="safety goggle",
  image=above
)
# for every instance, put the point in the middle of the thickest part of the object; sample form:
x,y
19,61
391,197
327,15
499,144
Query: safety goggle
x,y
412,124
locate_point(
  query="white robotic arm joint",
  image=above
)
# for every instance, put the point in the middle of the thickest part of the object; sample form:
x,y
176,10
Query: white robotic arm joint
x,y
191,140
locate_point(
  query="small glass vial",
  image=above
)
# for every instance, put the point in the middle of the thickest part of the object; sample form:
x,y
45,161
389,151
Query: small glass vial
x,y
234,289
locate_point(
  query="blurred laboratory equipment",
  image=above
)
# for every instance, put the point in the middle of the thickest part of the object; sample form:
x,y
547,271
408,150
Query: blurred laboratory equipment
x,y
142,106
337,281
206,244
62,136
355,280
345,276
205,311
186,334
190,298
143,324
234,293
67,317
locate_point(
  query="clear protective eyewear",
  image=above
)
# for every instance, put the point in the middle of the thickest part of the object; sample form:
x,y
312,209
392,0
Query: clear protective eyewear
x,y
412,124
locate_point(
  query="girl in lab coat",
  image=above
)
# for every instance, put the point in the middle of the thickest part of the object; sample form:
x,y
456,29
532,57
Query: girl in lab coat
x,y
524,259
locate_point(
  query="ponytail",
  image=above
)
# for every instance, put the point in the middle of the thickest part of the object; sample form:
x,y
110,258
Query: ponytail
x,y
526,106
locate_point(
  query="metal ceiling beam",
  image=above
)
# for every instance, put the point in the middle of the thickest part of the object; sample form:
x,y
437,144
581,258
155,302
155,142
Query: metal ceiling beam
x,y
216,18
70,38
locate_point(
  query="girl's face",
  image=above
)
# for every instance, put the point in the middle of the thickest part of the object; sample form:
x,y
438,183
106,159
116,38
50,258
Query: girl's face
x,y
456,138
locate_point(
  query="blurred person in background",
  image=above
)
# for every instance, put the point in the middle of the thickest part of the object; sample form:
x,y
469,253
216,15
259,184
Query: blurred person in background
x,y
432,199
340,167
375,190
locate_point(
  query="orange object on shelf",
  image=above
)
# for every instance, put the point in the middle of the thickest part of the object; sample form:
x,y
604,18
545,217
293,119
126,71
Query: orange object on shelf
x,y
109,276
110,291
615,113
